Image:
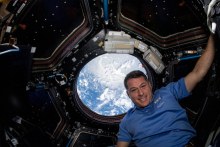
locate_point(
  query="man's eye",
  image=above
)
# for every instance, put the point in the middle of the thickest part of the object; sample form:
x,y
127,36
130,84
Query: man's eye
x,y
143,85
133,90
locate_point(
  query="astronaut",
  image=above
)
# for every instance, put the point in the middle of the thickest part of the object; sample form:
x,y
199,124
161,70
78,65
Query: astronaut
x,y
157,120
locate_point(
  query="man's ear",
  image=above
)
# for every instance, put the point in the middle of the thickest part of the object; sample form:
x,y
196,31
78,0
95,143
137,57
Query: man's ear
x,y
127,94
149,84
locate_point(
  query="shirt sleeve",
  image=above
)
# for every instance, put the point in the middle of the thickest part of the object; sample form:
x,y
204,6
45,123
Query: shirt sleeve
x,y
178,89
124,135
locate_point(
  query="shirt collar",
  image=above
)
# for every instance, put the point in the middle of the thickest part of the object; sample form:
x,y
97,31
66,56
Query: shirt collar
x,y
135,107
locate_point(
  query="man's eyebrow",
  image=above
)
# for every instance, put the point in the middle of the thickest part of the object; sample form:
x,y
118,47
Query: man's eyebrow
x,y
132,88
144,83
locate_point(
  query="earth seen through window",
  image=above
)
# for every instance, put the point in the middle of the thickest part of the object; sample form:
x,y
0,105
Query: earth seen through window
x,y
100,84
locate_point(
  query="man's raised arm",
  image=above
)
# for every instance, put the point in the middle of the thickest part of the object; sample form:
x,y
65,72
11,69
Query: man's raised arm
x,y
202,65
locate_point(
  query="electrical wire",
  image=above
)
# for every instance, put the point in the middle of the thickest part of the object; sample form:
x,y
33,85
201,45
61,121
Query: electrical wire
x,y
62,75
40,86
105,4
10,50
213,128
16,132
27,122
69,142
202,2
200,113
9,133
213,136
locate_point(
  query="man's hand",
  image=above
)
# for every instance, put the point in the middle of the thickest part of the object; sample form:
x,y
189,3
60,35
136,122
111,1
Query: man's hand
x,y
202,65
122,144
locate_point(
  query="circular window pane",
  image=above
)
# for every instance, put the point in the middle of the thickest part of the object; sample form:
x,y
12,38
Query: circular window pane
x,y
100,84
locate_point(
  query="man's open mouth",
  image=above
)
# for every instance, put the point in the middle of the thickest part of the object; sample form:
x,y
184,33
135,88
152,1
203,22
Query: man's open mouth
x,y
143,99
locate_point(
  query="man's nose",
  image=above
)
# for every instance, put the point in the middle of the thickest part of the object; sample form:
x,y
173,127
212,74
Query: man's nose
x,y
140,92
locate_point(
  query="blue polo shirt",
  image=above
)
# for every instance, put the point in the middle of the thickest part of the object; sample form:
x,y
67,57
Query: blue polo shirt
x,y
163,123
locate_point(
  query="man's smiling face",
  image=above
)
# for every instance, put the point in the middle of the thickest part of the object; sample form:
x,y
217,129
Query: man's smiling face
x,y
139,91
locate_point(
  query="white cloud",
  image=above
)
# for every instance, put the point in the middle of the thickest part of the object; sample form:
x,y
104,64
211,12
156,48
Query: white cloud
x,y
123,101
89,103
110,69
105,98
114,112
85,82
